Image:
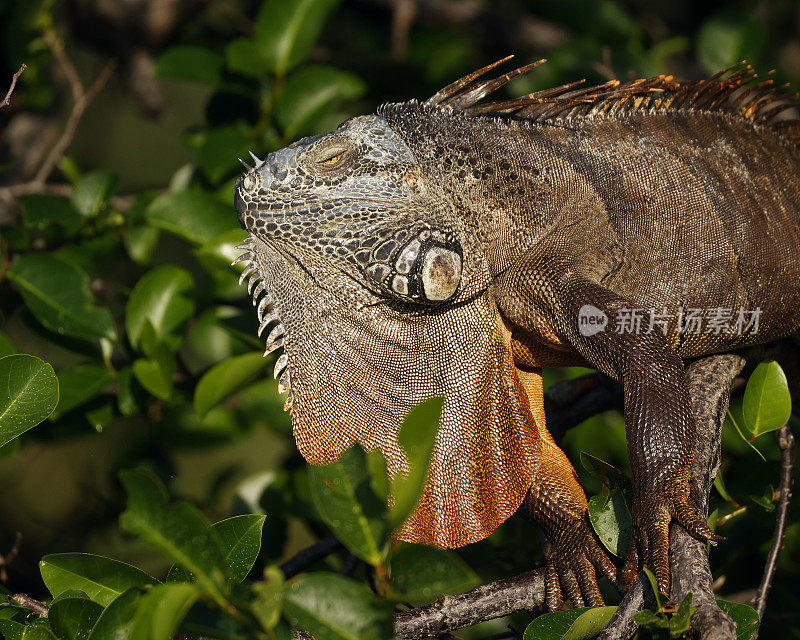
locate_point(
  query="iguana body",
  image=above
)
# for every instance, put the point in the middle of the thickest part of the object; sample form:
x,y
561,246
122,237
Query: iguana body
x,y
453,248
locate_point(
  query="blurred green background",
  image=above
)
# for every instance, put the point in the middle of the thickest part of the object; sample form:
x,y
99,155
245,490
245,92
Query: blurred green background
x,y
138,210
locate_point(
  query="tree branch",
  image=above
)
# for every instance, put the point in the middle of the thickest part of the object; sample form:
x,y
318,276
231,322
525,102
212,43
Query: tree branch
x,y
786,444
81,97
81,100
308,556
709,381
8,558
39,608
621,626
522,592
14,79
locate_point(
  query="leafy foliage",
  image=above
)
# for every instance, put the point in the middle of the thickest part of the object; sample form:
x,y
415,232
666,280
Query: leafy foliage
x,y
119,278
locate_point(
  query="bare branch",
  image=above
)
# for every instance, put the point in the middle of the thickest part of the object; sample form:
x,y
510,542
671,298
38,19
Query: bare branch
x,y
82,101
39,608
15,191
522,592
621,626
7,559
709,381
14,79
308,556
786,443
57,49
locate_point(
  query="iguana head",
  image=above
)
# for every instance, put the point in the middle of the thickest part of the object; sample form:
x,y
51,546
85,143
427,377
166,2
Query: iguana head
x,y
358,199
370,271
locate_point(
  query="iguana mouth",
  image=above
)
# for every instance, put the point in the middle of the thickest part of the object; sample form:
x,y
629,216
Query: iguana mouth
x,y
268,317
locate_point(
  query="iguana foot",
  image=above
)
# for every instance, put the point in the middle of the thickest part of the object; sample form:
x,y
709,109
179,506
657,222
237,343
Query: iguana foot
x,y
574,562
652,516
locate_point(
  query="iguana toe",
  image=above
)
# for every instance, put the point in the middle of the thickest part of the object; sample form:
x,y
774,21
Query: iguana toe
x,y
575,561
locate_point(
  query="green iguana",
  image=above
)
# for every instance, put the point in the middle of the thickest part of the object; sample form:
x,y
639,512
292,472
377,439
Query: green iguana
x,y
454,248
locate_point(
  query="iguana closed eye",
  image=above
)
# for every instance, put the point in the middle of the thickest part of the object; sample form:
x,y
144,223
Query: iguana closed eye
x,y
454,248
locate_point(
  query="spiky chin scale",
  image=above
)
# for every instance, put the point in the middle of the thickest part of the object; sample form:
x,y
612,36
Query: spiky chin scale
x,y
268,317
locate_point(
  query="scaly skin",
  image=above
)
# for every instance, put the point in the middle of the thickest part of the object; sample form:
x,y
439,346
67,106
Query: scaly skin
x,y
448,248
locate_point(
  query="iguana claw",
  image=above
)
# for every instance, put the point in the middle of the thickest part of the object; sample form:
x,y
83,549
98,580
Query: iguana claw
x,y
574,561
650,537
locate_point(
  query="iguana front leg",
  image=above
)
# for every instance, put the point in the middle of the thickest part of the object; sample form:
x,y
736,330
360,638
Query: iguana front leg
x,y
544,295
557,503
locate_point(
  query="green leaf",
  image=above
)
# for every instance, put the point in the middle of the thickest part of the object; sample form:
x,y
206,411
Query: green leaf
x,y
73,618
422,574
331,607
745,617
179,531
679,622
77,385
219,252
346,502
195,215
417,436
28,394
719,485
91,193
589,624
244,56
161,610
162,297
654,587
102,579
57,293
218,149
128,396
186,62
767,500
226,378
309,93
552,626
6,346
154,377
608,474
287,29
611,520
116,621
727,38
269,598
767,404
141,242
39,210
11,630
650,620
36,630
241,540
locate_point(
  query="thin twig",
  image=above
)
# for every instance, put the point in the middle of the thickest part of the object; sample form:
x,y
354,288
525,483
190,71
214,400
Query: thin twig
x,y
39,608
14,79
305,558
82,101
57,49
7,559
786,443
61,190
